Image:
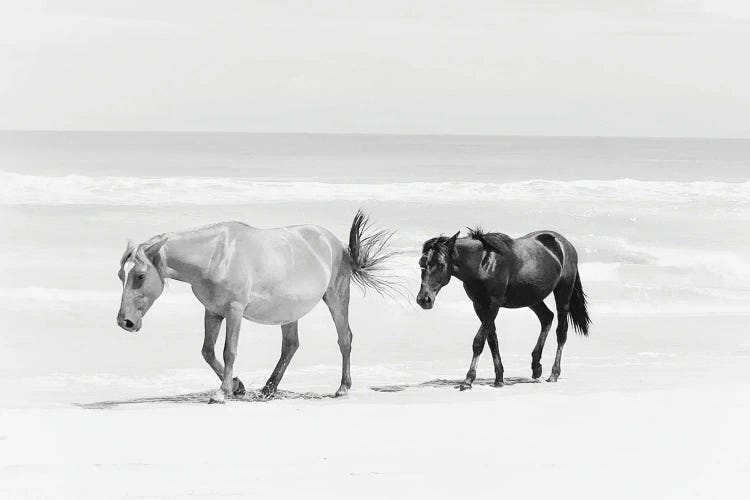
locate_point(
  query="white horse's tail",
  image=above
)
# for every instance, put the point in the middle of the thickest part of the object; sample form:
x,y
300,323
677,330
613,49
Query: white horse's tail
x,y
371,258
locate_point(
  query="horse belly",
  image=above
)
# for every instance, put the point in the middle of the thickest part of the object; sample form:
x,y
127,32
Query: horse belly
x,y
288,300
525,294
279,311
534,281
292,278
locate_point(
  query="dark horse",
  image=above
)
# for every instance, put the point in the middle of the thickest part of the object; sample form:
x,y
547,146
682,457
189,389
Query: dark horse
x,y
499,271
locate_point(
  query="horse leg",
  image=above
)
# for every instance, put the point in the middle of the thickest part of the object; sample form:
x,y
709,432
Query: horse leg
x,y
545,318
212,323
337,300
492,342
289,345
487,314
563,293
233,322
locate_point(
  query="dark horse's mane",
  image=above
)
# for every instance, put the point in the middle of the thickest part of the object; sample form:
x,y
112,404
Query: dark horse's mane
x,y
496,242
438,244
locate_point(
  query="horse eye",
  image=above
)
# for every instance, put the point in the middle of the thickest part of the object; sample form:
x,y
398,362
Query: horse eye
x,y
142,276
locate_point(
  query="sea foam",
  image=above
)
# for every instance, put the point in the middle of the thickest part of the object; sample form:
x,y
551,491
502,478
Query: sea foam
x,y
21,189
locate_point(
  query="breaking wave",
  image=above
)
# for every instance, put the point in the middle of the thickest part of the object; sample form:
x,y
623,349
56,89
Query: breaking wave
x,y
20,189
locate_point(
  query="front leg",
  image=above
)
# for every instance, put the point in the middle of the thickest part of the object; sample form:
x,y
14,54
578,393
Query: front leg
x,y
212,324
477,346
486,310
234,320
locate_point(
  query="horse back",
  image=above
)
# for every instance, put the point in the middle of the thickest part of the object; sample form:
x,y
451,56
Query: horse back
x,y
292,259
301,253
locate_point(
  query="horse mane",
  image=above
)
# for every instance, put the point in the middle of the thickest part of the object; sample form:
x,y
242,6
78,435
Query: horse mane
x,y
437,244
137,255
496,242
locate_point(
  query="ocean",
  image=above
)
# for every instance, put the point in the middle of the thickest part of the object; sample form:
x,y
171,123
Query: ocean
x,y
662,228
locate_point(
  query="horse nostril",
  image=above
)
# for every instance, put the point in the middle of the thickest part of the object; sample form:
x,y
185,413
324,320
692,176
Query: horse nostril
x,y
128,323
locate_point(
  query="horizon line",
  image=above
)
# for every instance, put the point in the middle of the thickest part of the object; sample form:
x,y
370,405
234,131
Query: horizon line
x,y
371,134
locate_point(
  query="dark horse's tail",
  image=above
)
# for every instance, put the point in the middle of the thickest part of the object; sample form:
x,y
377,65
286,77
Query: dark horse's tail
x,y
579,315
371,257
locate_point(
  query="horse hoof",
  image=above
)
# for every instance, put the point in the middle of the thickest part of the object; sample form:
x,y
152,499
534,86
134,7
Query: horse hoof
x,y
343,391
499,383
464,387
536,372
552,379
239,387
267,393
218,397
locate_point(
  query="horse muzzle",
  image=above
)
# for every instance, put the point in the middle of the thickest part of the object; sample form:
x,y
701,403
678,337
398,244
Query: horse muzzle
x,y
425,301
128,324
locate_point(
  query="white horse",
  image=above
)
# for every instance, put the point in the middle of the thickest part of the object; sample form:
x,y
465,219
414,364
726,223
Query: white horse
x,y
269,276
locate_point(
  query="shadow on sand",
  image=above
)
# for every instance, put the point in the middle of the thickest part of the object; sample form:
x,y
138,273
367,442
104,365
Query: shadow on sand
x,y
201,398
256,397
440,382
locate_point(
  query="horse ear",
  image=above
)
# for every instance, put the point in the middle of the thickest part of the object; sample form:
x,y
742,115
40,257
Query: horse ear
x,y
129,247
452,240
153,247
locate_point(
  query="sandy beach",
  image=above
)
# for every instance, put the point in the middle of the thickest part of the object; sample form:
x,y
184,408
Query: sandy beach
x,y
669,423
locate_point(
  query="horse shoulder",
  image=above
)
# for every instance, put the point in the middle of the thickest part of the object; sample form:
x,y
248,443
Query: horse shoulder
x,y
225,252
231,270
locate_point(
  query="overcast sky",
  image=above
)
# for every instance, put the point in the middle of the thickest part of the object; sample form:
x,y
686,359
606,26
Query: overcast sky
x,y
539,67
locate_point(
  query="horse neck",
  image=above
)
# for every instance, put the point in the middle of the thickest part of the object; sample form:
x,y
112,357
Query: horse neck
x,y
188,255
467,255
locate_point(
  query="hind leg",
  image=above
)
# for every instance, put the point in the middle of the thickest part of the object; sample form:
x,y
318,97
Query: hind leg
x,y
337,300
545,318
289,345
563,293
496,361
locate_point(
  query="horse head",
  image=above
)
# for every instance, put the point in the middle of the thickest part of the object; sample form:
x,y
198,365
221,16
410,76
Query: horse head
x,y
142,273
435,263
